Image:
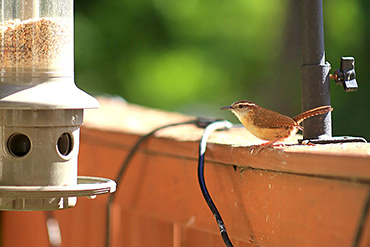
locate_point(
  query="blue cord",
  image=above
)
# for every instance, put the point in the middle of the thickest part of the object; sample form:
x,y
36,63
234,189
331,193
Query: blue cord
x,y
202,149
210,125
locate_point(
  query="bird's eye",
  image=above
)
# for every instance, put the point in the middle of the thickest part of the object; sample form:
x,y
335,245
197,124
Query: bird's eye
x,y
240,106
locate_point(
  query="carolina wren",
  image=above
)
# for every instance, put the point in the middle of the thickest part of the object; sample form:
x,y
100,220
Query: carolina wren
x,y
269,125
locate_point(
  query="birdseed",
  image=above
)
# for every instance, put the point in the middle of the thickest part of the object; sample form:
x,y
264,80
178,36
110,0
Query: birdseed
x,y
36,43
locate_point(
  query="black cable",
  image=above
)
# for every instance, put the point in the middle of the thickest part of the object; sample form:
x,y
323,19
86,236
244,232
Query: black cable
x,y
360,230
125,164
202,149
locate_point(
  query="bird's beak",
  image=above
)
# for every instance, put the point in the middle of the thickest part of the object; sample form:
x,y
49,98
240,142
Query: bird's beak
x,y
226,108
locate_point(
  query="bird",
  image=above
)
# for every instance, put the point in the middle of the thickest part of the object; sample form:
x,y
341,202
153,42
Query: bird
x,y
269,125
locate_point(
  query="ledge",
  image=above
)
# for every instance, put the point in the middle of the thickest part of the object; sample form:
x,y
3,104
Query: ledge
x,y
292,196
349,161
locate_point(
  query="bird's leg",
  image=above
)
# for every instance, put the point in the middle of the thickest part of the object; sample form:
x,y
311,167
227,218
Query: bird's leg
x,y
257,148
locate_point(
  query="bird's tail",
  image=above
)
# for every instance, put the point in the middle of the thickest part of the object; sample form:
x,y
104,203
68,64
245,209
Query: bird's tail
x,y
313,112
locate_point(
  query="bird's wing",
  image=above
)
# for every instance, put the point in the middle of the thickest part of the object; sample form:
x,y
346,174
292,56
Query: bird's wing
x,y
266,118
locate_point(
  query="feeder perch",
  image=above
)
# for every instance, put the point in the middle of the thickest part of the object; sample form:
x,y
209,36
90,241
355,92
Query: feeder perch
x,y
41,109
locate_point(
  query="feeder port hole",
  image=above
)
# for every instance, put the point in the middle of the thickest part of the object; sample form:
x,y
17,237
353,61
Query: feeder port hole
x,y
19,145
65,144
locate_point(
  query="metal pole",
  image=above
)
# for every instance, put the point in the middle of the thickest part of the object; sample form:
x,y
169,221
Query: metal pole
x,y
314,71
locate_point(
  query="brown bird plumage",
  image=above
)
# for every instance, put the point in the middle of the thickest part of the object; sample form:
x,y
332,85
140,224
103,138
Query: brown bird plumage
x,y
270,125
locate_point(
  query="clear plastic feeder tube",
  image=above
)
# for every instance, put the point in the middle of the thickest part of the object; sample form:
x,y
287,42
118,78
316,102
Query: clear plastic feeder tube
x,y
36,38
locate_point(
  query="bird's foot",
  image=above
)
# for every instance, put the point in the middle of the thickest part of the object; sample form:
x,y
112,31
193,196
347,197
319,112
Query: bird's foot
x,y
258,148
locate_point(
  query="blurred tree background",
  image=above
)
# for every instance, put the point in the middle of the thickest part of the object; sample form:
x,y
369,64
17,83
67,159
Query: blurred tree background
x,y
195,56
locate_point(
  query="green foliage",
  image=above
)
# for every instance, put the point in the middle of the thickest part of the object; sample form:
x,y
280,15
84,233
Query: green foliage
x,y
195,56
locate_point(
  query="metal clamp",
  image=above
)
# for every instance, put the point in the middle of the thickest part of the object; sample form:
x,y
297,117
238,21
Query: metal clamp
x,y
346,74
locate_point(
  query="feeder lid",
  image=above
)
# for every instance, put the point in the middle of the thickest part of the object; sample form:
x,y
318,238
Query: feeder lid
x,y
53,197
52,93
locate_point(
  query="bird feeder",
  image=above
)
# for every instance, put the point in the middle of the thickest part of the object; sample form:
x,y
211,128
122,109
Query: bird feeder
x,y
41,109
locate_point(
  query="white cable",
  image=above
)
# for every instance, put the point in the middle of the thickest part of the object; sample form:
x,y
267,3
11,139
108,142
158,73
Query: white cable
x,y
209,130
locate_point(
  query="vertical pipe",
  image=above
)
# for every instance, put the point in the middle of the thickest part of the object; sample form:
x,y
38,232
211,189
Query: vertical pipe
x,y
314,71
